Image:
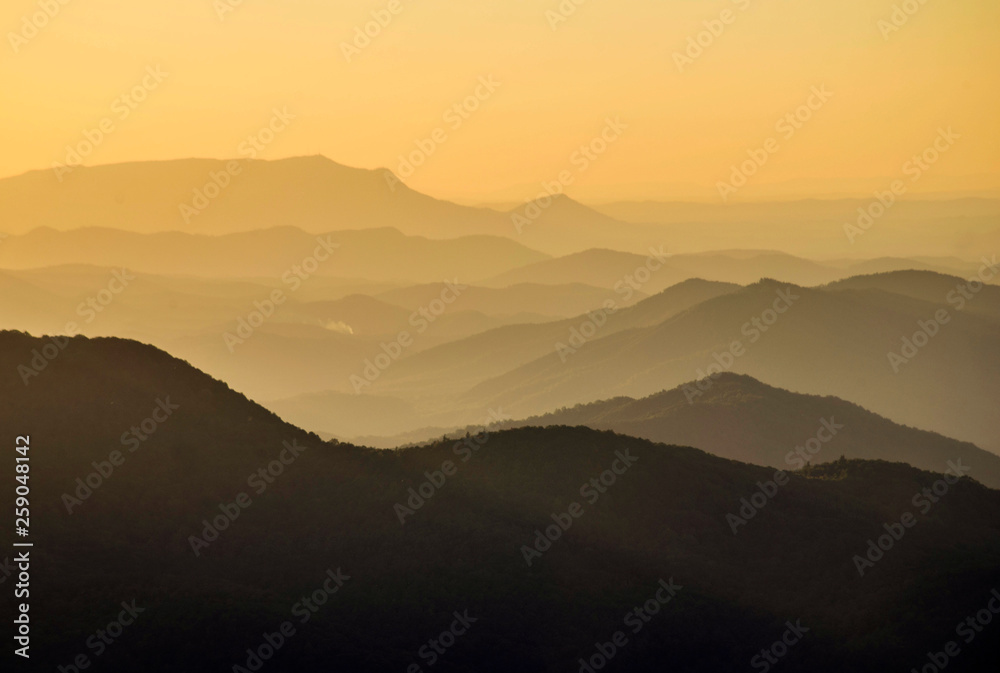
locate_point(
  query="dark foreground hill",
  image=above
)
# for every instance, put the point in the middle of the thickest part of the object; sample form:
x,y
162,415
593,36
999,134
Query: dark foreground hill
x,y
318,556
736,416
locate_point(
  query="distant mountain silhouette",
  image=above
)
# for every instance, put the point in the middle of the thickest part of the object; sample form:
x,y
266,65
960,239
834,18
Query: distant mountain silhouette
x,y
367,316
357,314
465,362
815,228
833,342
743,419
528,299
319,195
312,193
610,267
600,267
25,305
374,255
933,287
335,507
807,211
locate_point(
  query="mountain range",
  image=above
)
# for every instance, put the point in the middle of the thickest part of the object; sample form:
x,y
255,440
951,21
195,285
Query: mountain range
x,y
318,195
180,525
740,418
855,344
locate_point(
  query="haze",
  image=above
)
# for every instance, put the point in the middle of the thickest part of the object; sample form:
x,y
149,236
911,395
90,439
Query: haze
x,y
229,69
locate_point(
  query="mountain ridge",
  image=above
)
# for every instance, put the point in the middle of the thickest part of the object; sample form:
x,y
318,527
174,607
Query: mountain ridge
x,y
338,507
739,417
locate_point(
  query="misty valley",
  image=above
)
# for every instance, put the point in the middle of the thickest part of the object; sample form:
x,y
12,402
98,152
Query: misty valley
x,y
545,336
510,439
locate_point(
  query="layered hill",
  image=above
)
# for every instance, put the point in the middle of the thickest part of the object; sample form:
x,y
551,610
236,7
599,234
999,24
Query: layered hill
x,y
855,344
527,299
914,227
657,267
312,193
743,419
373,255
981,300
319,195
330,514
451,367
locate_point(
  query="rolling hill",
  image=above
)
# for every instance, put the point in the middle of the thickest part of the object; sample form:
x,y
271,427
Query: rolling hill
x,y
449,368
932,287
531,300
329,514
373,255
319,195
314,194
815,228
834,342
740,418
608,268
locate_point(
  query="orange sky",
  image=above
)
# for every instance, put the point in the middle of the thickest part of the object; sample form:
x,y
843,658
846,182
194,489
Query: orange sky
x,y
223,77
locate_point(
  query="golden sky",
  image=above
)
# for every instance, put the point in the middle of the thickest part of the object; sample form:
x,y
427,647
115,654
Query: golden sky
x,y
227,71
